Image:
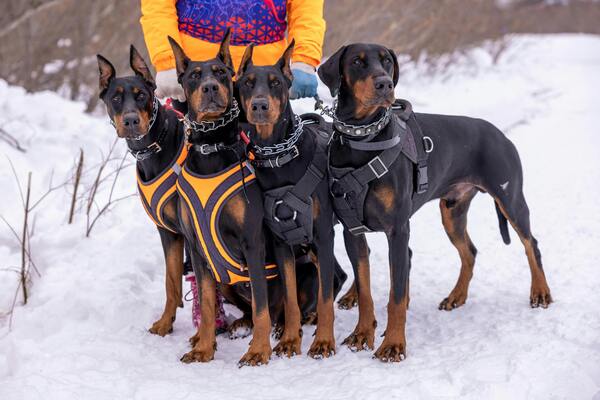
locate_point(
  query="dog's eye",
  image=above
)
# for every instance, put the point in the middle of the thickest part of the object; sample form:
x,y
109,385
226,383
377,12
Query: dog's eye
x,y
387,60
195,75
275,83
249,83
221,71
116,99
141,97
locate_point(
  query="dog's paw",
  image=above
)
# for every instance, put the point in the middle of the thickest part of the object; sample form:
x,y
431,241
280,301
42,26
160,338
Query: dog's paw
x,y
277,331
540,296
391,352
199,355
240,328
348,301
289,346
454,300
361,338
322,348
256,355
163,326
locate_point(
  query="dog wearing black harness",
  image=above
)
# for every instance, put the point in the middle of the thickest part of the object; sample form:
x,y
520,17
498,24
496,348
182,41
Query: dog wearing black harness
x,y
155,138
386,162
289,154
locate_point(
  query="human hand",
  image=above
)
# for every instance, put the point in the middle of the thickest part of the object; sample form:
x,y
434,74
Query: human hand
x,y
305,81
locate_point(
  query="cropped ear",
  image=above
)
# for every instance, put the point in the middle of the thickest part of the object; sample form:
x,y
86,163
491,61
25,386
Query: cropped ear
x,y
284,62
246,60
181,60
396,67
224,54
106,71
330,72
139,66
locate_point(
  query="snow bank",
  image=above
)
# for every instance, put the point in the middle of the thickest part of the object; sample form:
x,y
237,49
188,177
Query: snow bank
x,y
83,333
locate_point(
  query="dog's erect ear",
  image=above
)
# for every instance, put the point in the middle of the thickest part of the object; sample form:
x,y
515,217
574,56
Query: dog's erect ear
x,y
181,60
396,67
246,60
139,66
224,54
284,62
330,72
107,73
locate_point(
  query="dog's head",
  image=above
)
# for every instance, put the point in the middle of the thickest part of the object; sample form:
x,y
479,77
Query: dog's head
x,y
129,100
208,85
364,77
264,90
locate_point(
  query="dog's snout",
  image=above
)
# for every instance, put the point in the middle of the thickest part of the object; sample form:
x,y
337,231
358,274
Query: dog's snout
x,y
260,104
131,120
383,85
210,87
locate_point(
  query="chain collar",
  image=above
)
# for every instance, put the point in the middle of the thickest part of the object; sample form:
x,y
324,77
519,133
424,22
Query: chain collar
x,y
286,145
209,126
349,129
155,107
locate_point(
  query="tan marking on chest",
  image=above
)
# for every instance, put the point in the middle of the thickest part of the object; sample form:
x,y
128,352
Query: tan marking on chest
x,y
236,208
316,208
385,195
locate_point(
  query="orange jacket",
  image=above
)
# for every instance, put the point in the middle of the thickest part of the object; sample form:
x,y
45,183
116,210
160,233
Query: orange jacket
x,y
305,24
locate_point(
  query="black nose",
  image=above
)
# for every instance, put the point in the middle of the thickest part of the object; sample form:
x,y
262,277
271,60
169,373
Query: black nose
x,y
383,85
210,87
131,120
260,104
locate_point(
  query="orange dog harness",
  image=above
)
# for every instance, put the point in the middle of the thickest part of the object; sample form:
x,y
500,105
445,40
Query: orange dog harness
x,y
205,197
157,192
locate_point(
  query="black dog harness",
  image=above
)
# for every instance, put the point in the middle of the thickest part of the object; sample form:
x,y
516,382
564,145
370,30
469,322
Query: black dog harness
x,y
289,209
349,186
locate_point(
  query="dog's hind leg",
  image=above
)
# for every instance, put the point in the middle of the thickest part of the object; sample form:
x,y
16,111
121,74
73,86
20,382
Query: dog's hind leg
x,y
206,344
514,207
172,245
454,218
291,340
363,336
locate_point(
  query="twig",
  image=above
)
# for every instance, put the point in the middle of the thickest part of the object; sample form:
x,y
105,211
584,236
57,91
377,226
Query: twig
x,y
76,185
11,140
24,241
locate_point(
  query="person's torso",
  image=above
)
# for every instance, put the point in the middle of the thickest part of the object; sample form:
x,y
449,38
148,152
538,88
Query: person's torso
x,y
251,21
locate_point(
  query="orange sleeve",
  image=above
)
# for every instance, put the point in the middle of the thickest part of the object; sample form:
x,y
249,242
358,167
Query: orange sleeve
x,y
307,26
159,20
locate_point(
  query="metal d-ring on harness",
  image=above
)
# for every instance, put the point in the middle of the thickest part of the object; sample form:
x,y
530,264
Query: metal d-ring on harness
x,y
349,186
288,209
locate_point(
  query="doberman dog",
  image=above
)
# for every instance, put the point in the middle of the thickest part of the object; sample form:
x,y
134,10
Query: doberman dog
x,y
231,250
372,182
289,155
156,139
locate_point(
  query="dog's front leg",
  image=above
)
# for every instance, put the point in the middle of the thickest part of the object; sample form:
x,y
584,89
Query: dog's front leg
x,y
206,344
393,348
323,345
172,245
363,336
291,341
260,347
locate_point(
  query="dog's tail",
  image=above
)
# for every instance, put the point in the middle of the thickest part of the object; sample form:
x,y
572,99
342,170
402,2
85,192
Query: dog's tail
x,y
502,221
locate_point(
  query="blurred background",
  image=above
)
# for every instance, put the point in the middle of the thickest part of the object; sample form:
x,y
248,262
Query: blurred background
x,y
51,44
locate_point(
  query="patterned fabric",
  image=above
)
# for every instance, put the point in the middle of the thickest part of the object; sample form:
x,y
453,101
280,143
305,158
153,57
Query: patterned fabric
x,y
205,198
251,21
220,321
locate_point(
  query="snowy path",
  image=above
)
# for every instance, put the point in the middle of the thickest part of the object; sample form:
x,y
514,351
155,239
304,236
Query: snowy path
x,y
84,333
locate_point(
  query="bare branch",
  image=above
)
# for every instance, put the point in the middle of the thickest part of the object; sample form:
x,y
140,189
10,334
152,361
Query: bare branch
x,y
11,140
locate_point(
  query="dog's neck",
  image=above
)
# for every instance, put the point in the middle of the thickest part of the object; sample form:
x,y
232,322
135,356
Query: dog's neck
x,y
205,164
280,131
151,167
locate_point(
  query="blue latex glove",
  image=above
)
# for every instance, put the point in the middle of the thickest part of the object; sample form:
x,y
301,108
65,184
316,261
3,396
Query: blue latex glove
x,y
304,84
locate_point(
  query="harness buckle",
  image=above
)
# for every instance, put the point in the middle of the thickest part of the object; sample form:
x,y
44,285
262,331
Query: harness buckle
x,y
357,230
155,147
428,144
374,167
205,149
277,203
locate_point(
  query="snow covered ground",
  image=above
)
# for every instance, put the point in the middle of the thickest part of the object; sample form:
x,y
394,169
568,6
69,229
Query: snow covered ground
x,y
84,335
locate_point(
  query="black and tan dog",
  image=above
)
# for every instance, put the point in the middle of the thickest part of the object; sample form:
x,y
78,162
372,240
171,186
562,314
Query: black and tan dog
x,y
289,155
377,188
155,137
